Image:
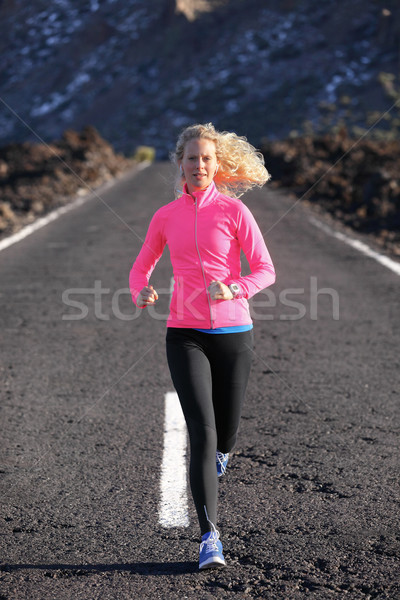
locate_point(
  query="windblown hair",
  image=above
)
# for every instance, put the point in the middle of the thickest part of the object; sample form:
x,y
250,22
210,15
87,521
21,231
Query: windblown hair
x,y
241,166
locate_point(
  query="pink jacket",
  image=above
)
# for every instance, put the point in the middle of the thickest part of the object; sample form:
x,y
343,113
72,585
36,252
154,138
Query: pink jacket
x,y
204,237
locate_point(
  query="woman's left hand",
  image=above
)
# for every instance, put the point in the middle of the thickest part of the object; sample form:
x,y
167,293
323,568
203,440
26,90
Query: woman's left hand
x,y
219,291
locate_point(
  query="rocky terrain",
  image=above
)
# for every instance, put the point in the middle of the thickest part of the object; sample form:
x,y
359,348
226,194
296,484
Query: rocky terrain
x,y
36,178
356,181
140,70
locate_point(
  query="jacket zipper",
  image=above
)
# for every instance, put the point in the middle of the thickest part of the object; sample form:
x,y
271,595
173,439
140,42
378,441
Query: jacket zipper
x,y
201,264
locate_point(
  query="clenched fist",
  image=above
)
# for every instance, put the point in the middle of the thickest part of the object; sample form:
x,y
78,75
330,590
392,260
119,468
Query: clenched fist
x,y
147,295
219,291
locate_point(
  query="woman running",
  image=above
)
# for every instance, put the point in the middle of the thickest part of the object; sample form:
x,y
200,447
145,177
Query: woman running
x,y
209,329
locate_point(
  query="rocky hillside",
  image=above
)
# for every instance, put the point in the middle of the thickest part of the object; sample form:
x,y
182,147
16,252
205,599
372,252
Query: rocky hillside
x,y
139,70
357,182
36,178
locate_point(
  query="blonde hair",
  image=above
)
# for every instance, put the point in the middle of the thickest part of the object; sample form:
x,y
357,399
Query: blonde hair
x,y
241,166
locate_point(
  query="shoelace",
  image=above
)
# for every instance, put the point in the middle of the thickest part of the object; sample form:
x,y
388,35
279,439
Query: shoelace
x,y
222,457
211,541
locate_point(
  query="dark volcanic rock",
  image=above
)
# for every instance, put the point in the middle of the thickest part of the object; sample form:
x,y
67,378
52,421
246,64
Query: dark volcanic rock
x,y
356,181
36,178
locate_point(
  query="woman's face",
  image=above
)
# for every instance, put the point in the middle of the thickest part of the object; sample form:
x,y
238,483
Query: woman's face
x,y
199,163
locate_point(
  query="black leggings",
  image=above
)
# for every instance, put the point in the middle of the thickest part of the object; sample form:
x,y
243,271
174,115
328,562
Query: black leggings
x,y
210,374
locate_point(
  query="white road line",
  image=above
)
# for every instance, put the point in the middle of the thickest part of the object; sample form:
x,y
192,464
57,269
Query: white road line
x,y
39,223
55,214
173,505
360,246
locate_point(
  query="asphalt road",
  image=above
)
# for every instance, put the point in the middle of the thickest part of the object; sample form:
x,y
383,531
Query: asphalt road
x,y
309,507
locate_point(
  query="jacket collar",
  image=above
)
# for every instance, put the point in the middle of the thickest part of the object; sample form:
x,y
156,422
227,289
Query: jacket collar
x,y
202,197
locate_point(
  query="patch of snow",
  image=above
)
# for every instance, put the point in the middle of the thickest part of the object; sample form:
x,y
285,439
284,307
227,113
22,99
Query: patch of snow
x,y
76,83
53,40
62,3
44,53
331,87
242,59
251,47
288,24
222,75
74,26
232,106
349,74
55,100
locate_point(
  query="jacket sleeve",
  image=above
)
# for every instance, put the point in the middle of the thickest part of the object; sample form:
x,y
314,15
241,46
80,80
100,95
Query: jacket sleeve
x,y
148,256
253,245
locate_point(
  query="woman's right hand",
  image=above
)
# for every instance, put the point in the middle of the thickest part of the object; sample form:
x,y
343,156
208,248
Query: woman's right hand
x,y
147,295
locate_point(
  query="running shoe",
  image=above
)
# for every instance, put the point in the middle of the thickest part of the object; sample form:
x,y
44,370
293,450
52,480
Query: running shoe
x,y
211,551
222,461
